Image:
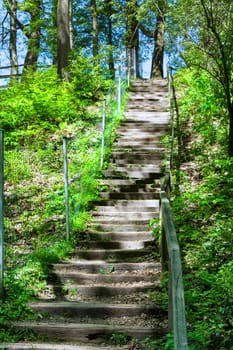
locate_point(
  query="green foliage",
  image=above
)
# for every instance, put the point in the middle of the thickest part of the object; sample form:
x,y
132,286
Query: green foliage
x,y
166,343
202,210
120,339
87,80
41,102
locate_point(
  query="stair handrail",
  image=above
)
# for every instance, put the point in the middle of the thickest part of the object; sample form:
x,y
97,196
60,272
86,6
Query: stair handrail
x,y
170,250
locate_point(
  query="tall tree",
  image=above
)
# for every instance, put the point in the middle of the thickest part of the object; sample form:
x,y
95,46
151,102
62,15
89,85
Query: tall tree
x,y
132,33
205,41
63,35
159,34
109,12
155,31
33,34
13,40
95,29
31,30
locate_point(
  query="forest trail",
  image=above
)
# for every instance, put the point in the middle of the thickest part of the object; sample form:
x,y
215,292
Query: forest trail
x,y
106,296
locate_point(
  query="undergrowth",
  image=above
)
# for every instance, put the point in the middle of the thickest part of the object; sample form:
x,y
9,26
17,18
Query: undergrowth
x,y
202,208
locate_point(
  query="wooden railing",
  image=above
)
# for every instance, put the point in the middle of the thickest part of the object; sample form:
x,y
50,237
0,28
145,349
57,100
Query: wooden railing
x,y
170,252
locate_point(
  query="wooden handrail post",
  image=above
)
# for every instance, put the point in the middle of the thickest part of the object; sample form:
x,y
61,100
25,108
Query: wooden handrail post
x,y
169,243
163,242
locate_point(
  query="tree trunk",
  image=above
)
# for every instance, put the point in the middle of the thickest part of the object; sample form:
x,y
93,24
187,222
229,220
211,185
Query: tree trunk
x,y
109,12
230,113
33,36
132,33
158,54
63,35
95,29
13,41
230,148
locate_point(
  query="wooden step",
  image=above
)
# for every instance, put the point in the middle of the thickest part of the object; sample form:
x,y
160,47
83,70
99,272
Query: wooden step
x,y
96,266
142,205
77,310
113,255
102,290
130,185
130,195
131,226
103,276
133,244
104,214
53,346
70,332
120,236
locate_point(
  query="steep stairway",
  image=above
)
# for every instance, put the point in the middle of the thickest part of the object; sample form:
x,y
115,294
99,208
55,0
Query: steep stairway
x,y
106,294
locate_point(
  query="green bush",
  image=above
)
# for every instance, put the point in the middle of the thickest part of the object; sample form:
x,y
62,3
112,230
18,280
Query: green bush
x,y
203,212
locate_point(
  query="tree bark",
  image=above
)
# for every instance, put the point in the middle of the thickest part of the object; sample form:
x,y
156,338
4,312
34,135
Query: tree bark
x,y
95,29
33,36
13,41
63,36
230,145
158,54
132,32
109,12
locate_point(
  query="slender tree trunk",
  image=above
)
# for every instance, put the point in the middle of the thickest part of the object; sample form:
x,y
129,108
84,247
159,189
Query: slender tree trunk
x,y
54,37
132,33
158,54
95,29
63,35
230,113
34,36
13,41
230,148
110,40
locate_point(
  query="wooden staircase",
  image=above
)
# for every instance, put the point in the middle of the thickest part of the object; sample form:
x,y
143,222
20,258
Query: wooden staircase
x,y
107,291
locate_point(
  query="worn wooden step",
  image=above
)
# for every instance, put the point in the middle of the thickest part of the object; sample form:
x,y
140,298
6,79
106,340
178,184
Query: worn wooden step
x,y
133,161
150,118
104,214
115,220
142,205
103,276
96,266
132,244
114,227
141,128
70,332
77,310
53,346
130,195
130,185
132,218
120,236
146,106
141,138
113,255
144,172
124,183
103,290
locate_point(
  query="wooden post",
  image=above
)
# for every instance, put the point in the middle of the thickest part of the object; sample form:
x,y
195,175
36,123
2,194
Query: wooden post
x,y
119,90
176,289
102,136
66,185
